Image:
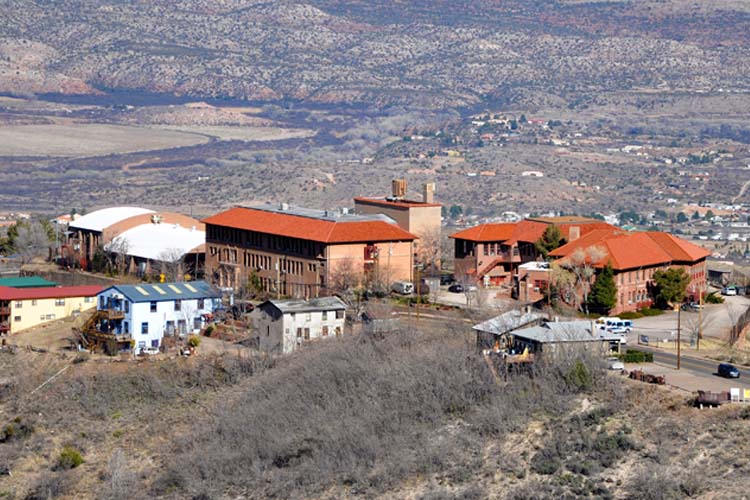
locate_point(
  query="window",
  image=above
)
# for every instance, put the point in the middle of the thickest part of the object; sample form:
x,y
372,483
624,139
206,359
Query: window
x,y
59,302
33,302
127,307
49,317
177,305
325,331
144,328
181,326
86,300
299,333
325,315
17,318
308,317
126,327
197,323
41,317
153,306
155,343
201,304
340,314
307,334
19,304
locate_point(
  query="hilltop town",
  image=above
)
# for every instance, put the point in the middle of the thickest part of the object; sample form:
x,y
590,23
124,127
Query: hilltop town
x,y
338,249
250,295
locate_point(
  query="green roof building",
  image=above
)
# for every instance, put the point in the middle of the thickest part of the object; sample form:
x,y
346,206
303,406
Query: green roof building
x,y
27,282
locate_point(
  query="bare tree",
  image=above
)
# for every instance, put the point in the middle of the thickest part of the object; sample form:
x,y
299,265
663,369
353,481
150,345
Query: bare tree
x,y
430,250
582,264
32,241
171,263
695,325
118,255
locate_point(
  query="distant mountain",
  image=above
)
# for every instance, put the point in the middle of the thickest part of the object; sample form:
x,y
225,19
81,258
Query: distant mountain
x,y
427,53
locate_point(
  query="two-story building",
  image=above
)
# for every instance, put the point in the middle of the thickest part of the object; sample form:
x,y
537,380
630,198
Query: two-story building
x,y
300,252
635,257
284,325
490,254
144,314
22,308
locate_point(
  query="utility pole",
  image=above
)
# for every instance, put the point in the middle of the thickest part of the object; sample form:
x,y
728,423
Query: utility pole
x,y
700,320
419,294
678,337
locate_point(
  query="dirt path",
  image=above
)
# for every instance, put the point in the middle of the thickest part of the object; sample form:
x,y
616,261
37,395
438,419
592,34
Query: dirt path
x,y
742,191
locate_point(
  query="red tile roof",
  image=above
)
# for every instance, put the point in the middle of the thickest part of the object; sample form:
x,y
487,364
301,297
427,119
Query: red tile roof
x,y
308,228
528,230
59,292
487,232
395,203
634,250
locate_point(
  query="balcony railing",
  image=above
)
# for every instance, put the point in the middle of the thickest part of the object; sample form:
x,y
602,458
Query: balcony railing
x,y
4,311
4,327
113,313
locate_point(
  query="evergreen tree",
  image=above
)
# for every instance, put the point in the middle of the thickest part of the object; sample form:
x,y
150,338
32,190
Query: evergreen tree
x,y
550,239
671,285
603,296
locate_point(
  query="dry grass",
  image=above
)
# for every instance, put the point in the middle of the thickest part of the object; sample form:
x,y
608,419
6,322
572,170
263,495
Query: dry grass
x,y
411,415
89,139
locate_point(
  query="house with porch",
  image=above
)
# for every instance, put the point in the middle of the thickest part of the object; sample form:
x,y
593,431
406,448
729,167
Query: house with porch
x,y
141,315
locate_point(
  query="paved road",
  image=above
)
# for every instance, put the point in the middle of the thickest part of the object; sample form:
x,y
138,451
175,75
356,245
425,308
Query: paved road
x,y
697,365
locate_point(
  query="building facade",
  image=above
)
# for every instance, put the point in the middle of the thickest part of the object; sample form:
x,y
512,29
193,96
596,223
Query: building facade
x,y
490,254
22,308
284,325
144,314
422,218
304,253
635,258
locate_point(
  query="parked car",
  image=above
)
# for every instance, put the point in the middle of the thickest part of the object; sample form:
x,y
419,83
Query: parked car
x,y
403,287
691,306
150,351
615,364
729,290
456,288
728,371
447,279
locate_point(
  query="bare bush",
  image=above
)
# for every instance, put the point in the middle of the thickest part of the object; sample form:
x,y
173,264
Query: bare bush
x,y
361,412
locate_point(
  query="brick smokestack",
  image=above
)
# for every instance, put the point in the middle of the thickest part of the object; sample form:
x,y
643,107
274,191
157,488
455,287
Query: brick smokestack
x,y
398,188
428,192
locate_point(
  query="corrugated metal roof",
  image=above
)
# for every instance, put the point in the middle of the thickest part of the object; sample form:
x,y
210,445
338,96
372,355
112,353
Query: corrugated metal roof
x,y
508,322
167,291
99,220
312,305
26,282
564,331
159,241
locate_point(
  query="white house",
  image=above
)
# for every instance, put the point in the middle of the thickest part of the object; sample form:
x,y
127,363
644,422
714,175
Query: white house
x,y
283,325
147,312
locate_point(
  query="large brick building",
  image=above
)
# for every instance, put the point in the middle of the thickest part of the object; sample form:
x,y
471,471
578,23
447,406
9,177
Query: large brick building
x,y
635,257
491,253
301,252
422,217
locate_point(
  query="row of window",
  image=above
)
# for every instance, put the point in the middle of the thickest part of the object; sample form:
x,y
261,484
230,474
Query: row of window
x,y
58,302
308,316
636,296
260,240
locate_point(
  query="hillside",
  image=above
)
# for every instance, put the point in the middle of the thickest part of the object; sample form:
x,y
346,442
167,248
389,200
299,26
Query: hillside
x,y
412,415
433,54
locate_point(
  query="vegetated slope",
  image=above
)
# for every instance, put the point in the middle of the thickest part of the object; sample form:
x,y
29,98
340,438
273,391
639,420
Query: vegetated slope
x,y
430,53
411,415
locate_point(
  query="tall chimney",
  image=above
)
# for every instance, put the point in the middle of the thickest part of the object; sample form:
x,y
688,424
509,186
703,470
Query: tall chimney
x,y
398,187
428,192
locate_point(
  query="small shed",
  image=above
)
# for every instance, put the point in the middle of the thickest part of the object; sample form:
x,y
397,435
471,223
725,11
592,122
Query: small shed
x,y
546,337
490,331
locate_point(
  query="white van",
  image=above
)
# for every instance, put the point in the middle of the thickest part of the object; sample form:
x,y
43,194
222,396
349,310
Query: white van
x,y
403,287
